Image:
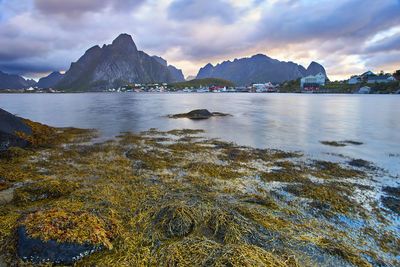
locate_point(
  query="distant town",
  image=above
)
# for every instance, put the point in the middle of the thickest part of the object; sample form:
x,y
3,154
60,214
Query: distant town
x,y
366,83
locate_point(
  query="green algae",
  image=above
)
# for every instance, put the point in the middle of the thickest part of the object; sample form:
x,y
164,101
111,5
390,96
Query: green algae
x,y
162,201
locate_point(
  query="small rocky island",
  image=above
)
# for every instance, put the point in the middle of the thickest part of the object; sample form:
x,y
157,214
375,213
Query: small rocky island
x,y
178,198
199,114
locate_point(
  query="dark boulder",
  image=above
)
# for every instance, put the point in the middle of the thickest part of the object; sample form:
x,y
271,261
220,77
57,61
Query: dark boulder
x,y
9,124
37,251
198,114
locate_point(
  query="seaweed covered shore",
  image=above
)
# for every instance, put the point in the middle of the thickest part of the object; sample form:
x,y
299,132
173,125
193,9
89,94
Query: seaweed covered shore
x,y
179,199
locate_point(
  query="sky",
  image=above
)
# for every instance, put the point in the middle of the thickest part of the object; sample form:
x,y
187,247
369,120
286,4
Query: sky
x,y
346,36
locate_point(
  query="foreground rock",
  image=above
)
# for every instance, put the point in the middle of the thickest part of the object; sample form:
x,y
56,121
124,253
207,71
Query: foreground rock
x,y
61,237
35,250
199,114
9,124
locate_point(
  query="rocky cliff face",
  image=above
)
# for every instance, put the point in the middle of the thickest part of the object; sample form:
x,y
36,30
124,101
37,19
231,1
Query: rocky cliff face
x,y
314,68
50,80
176,73
114,65
11,81
257,69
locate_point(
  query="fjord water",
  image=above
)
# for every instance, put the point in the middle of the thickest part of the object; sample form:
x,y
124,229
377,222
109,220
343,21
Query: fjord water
x,y
284,121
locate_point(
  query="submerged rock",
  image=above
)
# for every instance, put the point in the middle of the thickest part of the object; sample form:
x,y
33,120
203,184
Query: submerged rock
x,y
9,124
198,114
35,250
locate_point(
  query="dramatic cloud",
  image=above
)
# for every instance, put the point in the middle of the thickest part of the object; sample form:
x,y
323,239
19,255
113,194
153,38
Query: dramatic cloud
x,y
346,36
73,8
202,10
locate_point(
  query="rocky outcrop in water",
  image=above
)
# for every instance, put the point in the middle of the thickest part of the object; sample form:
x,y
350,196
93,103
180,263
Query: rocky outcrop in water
x,y
258,69
199,114
9,124
114,65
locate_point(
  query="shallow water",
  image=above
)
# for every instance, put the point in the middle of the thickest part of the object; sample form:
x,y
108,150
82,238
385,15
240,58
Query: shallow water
x,y
284,121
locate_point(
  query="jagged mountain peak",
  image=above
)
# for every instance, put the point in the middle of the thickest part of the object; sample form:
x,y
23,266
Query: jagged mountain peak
x,y
314,68
258,68
114,65
124,40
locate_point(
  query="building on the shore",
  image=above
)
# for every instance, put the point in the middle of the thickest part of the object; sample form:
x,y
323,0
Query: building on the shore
x,y
311,87
381,79
365,90
318,79
355,80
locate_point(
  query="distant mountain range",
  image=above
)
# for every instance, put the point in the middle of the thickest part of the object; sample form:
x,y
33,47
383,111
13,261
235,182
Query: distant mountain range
x,y
258,69
115,65
12,81
50,81
121,63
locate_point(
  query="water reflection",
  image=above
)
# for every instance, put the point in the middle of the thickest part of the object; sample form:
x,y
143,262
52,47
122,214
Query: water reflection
x,y
285,121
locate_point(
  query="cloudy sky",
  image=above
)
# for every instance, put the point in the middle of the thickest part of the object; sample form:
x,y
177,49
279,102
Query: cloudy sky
x,y
346,36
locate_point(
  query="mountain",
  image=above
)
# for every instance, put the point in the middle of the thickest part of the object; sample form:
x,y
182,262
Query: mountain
x,y
12,81
113,65
177,73
257,69
314,68
50,80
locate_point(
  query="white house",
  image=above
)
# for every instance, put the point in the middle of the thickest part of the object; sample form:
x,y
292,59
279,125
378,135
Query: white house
x,y
380,79
365,90
354,80
317,79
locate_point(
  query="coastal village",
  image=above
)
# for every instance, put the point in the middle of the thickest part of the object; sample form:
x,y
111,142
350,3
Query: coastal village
x,y
366,83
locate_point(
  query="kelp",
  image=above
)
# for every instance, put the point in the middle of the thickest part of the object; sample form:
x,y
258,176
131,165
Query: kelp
x,y
178,199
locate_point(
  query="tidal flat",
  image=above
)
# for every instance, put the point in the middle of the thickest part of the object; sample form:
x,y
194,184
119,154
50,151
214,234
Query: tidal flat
x,y
176,198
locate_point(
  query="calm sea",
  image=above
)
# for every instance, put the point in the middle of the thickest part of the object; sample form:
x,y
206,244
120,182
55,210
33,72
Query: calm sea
x,y
284,121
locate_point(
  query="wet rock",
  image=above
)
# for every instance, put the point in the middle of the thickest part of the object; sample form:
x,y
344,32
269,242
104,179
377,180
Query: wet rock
x,y
332,143
35,250
198,114
392,203
9,124
393,191
6,196
360,163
